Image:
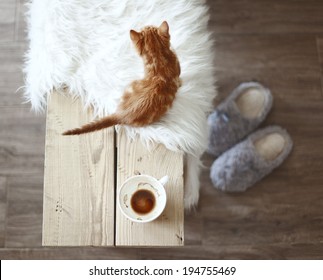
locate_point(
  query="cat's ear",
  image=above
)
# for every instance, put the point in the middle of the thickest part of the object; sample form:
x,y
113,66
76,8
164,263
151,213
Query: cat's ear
x,y
134,35
164,29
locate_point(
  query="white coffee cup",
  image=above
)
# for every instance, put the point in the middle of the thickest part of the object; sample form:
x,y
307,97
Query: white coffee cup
x,y
142,184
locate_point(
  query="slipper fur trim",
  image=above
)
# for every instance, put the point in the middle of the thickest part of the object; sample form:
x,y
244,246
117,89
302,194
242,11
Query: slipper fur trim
x,y
242,166
226,124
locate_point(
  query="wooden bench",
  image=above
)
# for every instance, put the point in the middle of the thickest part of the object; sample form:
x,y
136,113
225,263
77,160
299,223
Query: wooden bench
x,y
82,177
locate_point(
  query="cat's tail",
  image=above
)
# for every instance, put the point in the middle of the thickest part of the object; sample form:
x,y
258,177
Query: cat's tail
x,y
95,125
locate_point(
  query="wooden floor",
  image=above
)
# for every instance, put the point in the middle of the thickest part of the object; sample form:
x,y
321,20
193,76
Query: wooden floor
x,y
279,43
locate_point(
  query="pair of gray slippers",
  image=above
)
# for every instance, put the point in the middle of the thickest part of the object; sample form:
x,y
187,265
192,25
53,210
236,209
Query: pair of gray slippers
x,y
243,156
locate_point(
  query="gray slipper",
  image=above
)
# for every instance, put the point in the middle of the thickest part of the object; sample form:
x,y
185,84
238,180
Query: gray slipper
x,y
252,159
241,113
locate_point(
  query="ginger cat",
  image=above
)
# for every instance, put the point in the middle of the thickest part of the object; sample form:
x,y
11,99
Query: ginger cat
x,y
145,101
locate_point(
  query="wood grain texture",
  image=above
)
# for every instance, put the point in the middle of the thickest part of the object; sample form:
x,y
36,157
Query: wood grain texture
x,y
319,43
279,43
20,26
237,252
11,77
168,229
271,51
287,64
22,136
250,252
78,180
7,20
3,210
24,217
63,253
193,229
266,16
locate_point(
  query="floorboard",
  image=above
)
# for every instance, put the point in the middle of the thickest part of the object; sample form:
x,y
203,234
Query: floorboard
x,y
3,210
24,217
279,43
7,20
266,16
11,78
22,137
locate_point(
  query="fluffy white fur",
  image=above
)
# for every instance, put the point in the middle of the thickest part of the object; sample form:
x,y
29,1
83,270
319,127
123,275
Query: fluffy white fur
x,y
85,46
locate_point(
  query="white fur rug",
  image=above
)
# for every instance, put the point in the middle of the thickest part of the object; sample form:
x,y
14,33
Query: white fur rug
x,y
85,46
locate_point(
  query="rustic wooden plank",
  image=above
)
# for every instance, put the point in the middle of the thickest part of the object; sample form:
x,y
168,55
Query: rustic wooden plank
x,y
287,63
79,179
168,229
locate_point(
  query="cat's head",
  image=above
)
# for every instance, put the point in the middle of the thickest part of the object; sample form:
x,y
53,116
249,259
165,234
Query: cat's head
x,y
151,38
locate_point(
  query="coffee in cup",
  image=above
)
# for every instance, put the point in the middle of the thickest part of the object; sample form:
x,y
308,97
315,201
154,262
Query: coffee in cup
x,y
142,198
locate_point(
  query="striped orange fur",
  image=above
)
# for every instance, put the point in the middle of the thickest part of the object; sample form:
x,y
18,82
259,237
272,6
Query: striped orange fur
x,y
145,101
